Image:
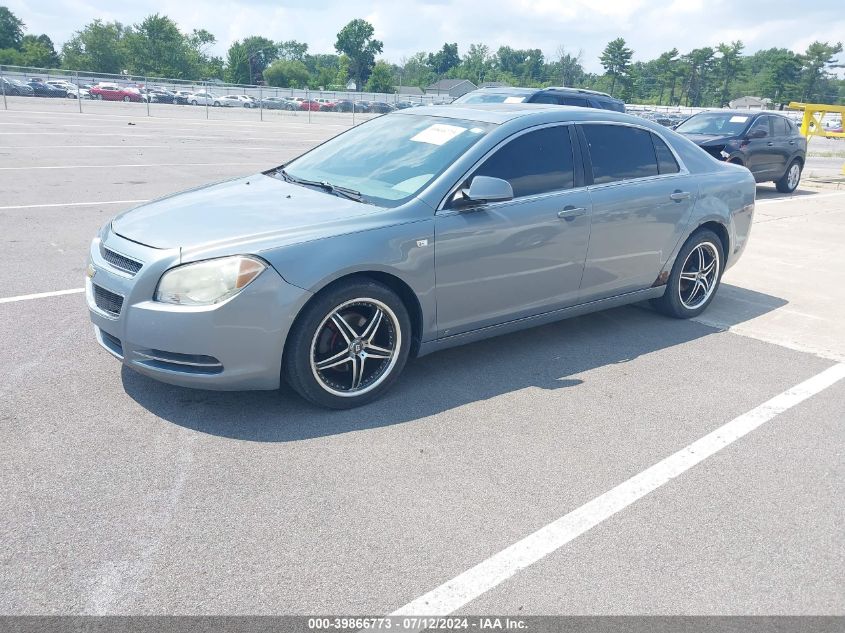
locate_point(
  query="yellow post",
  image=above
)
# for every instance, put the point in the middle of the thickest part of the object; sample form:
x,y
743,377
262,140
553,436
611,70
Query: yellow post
x,y
811,121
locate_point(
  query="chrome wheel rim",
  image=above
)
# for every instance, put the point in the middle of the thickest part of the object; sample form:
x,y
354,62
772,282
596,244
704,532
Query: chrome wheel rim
x,y
699,276
355,347
794,175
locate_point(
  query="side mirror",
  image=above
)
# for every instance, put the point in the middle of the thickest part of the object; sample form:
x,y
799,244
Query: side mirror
x,y
488,189
758,134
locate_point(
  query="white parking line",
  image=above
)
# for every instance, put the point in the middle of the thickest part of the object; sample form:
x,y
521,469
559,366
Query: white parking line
x,y
131,165
202,137
328,119
472,583
41,295
179,147
70,204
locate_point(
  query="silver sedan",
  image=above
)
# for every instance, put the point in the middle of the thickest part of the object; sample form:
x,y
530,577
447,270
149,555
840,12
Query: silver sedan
x,y
408,234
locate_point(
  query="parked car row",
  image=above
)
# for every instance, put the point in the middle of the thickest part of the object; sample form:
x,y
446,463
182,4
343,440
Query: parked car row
x,y
110,91
32,88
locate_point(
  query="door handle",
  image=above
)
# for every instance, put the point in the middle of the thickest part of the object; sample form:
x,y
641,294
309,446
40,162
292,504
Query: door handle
x,y
792,142
677,196
770,144
570,212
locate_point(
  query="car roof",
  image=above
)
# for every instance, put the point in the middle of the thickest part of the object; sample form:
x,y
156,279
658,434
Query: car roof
x,y
511,90
499,113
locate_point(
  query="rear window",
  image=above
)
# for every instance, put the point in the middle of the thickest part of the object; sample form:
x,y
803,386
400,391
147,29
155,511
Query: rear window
x,y
619,152
557,99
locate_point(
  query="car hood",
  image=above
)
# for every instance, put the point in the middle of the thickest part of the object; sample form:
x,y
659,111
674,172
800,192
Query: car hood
x,y
710,139
238,210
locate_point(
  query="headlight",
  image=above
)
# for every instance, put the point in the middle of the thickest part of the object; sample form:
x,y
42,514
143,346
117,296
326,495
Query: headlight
x,y
208,282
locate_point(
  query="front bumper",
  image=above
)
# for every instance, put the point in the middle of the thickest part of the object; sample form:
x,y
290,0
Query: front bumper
x,y
234,345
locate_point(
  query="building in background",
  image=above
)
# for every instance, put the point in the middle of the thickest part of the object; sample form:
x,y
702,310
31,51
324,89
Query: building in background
x,y
750,103
453,88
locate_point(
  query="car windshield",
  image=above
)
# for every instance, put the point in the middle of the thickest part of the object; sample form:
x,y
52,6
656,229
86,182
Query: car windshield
x,y
715,123
391,158
493,97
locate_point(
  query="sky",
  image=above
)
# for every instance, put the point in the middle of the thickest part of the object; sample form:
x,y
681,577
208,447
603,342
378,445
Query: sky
x,y
405,27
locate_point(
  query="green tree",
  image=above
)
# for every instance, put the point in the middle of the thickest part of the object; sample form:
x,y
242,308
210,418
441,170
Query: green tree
x,y
616,60
323,68
98,47
773,73
355,40
666,72
11,29
287,73
569,67
208,66
816,60
11,57
343,70
39,52
381,79
415,71
247,60
291,49
476,64
728,66
445,59
157,47
699,66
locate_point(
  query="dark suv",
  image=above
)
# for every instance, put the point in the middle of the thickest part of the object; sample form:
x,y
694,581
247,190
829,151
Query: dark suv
x,y
769,145
556,96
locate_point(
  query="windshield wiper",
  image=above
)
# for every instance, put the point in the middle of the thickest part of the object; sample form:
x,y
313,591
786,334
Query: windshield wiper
x,y
344,192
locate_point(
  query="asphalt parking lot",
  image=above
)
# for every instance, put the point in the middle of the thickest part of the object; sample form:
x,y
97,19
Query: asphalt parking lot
x,y
126,496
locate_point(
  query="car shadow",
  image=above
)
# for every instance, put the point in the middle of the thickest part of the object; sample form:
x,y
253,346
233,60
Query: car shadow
x,y
548,357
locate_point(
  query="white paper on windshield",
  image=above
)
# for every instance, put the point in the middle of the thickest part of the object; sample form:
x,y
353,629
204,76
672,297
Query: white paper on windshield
x,y
438,134
739,119
514,99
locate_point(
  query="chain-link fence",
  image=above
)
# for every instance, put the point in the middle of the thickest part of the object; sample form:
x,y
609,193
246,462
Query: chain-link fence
x,y
78,91
26,88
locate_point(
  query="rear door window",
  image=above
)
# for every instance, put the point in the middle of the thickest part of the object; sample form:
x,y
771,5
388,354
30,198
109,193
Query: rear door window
x,y
620,152
780,126
534,163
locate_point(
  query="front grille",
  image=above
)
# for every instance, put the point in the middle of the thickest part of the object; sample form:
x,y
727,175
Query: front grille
x,y
107,301
121,262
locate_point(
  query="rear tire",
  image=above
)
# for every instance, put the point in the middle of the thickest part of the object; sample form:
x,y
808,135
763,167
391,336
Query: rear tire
x,y
790,179
695,277
340,364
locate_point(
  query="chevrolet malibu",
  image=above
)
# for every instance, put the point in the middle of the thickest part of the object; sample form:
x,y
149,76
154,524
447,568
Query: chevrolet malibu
x,y
416,231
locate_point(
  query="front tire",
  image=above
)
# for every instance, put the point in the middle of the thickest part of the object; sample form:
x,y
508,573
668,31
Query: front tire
x,y
349,344
790,179
695,277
